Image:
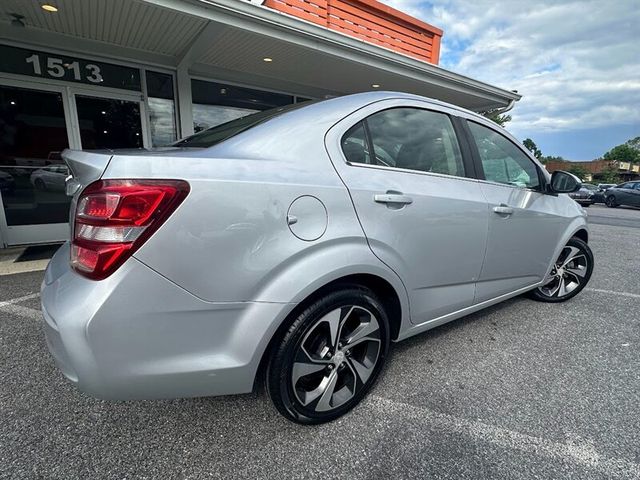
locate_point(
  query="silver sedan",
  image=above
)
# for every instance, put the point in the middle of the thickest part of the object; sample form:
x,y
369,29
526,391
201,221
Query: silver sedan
x,y
293,245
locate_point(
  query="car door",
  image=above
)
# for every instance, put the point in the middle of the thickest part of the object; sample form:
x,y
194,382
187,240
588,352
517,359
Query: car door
x,y
421,213
524,228
625,194
634,195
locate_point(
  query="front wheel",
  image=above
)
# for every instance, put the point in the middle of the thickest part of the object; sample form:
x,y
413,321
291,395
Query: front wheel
x,y
329,357
569,275
610,201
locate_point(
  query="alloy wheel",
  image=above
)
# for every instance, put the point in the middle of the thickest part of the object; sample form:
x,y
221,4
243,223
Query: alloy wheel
x,y
336,358
569,273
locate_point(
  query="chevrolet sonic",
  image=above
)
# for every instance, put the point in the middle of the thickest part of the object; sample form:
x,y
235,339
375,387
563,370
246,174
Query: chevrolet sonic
x,y
293,245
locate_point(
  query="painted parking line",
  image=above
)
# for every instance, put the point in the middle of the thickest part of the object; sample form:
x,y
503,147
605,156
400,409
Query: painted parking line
x,y
13,301
613,292
12,307
576,452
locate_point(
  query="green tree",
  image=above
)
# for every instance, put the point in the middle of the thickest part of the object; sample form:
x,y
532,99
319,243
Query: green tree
x,y
610,174
623,153
497,117
532,147
634,143
579,171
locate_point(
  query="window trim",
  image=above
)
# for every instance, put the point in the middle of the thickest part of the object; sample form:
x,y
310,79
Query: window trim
x,y
475,152
469,174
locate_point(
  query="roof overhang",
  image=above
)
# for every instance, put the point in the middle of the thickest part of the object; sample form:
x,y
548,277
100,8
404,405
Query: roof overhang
x,y
241,34
228,39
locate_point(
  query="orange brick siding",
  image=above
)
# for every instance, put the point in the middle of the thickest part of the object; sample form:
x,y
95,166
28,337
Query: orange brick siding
x,y
594,166
371,21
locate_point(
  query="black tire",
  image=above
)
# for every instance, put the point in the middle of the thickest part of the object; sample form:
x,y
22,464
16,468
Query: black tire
x,y
39,184
350,304
610,201
575,271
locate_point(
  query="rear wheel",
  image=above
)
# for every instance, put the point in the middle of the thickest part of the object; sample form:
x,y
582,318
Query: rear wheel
x,y
610,201
569,275
329,357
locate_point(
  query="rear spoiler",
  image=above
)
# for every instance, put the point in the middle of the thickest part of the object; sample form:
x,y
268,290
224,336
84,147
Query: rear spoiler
x,y
85,167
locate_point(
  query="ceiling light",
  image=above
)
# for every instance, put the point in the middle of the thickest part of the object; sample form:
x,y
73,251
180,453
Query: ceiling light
x,y
12,102
375,85
267,59
49,8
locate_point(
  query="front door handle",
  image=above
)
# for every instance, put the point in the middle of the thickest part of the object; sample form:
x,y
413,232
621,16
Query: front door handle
x,y
503,210
392,198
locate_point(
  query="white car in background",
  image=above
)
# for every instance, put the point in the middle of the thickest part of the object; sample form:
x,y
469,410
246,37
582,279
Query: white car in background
x,y
51,177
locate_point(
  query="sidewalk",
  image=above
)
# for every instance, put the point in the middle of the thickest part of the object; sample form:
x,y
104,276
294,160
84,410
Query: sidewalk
x,y
25,259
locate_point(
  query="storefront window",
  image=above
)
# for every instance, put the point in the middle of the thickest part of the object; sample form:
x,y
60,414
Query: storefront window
x,y
162,113
216,103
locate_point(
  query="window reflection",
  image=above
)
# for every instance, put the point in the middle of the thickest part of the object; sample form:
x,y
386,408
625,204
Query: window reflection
x,y
217,103
162,114
32,135
108,123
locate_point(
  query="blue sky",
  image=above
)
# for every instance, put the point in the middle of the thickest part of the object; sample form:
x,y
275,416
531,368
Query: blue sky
x,y
576,63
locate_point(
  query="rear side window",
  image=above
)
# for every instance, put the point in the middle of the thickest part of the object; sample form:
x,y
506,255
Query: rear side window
x,y
355,146
407,138
502,161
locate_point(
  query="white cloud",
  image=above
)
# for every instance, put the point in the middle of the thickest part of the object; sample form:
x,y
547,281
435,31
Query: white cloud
x,y
577,63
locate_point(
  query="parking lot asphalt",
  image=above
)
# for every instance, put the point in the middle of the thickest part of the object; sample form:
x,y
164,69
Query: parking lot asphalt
x,y
521,390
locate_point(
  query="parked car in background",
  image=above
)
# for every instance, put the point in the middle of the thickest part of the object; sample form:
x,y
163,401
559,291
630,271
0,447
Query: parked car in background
x,y
584,196
599,194
7,182
51,177
293,245
627,193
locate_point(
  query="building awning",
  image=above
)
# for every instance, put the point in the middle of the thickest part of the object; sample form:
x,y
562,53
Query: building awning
x,y
229,39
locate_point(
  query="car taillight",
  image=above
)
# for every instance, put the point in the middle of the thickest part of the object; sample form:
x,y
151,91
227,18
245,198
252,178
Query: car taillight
x,y
115,217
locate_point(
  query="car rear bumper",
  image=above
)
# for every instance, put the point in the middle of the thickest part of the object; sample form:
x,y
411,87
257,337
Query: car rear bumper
x,y
136,335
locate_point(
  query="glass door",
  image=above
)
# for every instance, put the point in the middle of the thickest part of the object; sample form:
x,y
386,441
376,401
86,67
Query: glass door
x,y
109,122
36,124
33,132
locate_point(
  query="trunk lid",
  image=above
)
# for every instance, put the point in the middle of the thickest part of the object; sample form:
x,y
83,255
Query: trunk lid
x,y
85,167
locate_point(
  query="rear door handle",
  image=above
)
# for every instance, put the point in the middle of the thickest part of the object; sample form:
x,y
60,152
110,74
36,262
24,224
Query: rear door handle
x,y
392,198
503,210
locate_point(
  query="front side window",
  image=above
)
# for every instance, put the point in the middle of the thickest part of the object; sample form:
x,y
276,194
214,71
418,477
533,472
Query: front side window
x,y
502,161
407,138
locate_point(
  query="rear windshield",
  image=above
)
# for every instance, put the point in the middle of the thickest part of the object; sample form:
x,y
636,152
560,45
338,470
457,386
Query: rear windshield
x,y
214,135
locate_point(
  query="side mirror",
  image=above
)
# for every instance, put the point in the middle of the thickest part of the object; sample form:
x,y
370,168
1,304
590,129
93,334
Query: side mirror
x,y
564,182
